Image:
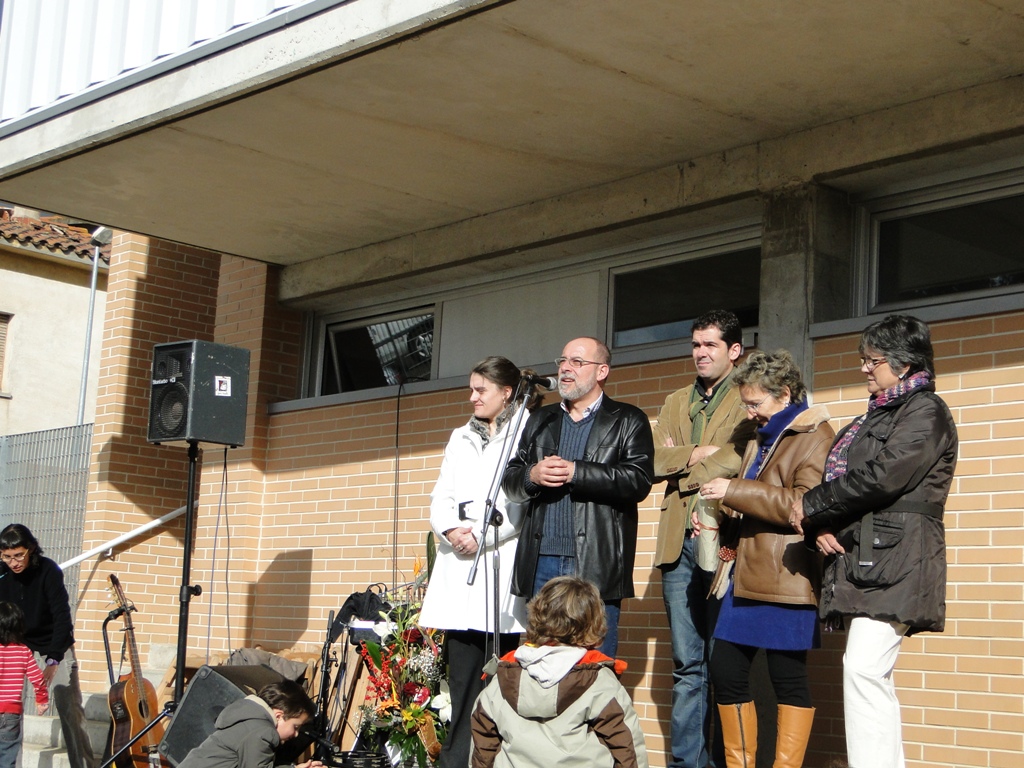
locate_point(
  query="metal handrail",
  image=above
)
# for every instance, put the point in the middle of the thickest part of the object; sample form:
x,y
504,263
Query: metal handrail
x,y
122,538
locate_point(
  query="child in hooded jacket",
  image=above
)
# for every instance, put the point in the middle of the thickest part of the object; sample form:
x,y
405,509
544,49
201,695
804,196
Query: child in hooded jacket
x,y
556,701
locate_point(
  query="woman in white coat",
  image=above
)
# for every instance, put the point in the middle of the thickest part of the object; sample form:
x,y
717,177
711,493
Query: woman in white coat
x,y
457,505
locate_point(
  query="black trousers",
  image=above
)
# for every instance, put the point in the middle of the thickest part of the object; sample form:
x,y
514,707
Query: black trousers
x,y
466,658
730,673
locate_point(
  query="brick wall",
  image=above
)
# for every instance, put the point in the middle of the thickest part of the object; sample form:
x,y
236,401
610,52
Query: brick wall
x,y
157,292
323,502
961,691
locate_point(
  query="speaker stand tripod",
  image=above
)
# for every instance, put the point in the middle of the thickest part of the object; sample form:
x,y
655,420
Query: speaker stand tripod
x,y
185,595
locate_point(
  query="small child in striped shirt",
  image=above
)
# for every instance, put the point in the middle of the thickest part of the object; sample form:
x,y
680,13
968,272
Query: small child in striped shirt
x,y
16,663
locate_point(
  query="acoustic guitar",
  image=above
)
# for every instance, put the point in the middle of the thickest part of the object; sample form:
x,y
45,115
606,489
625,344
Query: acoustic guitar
x,y
132,701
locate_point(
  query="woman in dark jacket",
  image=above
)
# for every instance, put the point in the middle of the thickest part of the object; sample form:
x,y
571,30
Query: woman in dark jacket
x,y
772,600
878,518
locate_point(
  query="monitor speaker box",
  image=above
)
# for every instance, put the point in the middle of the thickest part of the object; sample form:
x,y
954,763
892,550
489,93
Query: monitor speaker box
x,y
209,692
199,393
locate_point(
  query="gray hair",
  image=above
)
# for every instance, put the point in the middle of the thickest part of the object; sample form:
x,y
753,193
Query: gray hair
x,y
772,373
904,341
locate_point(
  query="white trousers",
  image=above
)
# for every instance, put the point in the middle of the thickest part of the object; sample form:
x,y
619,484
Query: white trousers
x,y
874,737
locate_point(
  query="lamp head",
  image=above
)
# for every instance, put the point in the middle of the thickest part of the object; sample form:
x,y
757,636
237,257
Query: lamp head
x,y
101,236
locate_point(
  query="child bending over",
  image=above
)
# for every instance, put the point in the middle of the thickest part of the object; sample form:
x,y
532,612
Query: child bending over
x,y
556,702
250,729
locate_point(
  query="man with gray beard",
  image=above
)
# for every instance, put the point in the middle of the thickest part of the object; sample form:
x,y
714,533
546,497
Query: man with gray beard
x,y
582,467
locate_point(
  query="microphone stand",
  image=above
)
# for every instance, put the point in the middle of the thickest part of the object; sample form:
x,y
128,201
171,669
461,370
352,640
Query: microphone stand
x,y
493,519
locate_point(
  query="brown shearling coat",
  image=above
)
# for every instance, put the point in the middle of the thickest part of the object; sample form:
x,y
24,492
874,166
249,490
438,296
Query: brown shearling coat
x,y
773,564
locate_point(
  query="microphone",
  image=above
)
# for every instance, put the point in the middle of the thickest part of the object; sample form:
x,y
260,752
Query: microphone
x,y
547,382
330,747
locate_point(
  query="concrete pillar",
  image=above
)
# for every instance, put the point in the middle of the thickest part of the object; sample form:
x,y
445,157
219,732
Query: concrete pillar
x,y
806,251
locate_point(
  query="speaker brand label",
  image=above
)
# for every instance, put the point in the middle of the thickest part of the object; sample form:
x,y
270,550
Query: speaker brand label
x,y
222,386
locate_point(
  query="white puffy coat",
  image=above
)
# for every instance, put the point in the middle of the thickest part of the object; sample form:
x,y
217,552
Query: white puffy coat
x,y
466,474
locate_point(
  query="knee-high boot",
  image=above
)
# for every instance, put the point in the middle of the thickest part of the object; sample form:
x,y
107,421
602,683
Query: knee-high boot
x,y
794,730
739,732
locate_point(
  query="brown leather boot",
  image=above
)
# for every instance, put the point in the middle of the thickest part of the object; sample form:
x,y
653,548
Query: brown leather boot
x,y
739,732
794,730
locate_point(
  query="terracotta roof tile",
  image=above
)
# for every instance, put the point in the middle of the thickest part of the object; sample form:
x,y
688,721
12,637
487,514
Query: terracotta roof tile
x,y
49,234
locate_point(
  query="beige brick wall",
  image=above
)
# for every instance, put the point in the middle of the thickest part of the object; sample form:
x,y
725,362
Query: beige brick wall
x,y
318,502
961,691
157,292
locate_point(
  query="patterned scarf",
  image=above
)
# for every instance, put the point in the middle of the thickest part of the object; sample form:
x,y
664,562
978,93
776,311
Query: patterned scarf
x,y
835,464
483,428
701,409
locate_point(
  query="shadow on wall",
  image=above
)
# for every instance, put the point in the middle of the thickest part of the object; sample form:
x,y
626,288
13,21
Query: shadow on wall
x,y
635,631
278,605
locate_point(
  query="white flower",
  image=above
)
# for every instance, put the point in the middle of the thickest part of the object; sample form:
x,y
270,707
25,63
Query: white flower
x,y
443,703
384,628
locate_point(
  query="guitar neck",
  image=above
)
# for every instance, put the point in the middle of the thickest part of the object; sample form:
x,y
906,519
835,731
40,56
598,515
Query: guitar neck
x,y
133,656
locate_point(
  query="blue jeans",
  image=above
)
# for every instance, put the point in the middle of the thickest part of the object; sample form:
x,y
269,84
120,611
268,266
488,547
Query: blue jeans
x,y
10,739
550,566
691,619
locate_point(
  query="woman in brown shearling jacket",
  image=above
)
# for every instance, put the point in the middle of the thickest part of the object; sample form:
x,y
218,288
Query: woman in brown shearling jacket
x,y
772,600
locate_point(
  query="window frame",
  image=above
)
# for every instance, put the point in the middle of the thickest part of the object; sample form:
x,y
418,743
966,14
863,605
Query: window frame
x,y
738,233
349,320
925,196
717,244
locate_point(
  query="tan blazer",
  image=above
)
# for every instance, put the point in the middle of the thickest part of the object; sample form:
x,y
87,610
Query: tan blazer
x,y
729,429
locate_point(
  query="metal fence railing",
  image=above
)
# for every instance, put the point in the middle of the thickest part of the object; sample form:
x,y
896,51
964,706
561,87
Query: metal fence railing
x,y
44,482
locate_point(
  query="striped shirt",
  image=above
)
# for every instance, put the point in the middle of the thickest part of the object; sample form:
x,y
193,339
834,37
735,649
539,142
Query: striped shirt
x,y
17,663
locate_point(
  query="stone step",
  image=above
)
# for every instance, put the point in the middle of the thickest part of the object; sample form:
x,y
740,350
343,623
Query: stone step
x,y
43,742
44,732
36,756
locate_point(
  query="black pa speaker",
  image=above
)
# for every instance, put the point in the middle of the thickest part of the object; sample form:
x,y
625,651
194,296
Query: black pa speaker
x,y
200,390
209,692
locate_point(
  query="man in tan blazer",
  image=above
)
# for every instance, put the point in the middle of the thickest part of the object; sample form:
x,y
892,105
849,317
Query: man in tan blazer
x,y
701,433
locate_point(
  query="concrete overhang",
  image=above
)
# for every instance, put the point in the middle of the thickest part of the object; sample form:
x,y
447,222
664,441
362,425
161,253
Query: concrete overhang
x,y
378,140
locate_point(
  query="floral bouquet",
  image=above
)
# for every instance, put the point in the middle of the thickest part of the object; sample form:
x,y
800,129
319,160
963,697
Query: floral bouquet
x,y
407,703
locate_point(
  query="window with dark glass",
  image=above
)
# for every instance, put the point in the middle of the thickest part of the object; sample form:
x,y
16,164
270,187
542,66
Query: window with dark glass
x,y
659,303
376,354
955,250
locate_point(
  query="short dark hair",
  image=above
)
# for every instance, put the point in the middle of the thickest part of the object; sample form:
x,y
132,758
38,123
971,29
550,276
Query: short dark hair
x,y
902,340
12,623
17,535
568,610
771,372
726,322
505,373
289,697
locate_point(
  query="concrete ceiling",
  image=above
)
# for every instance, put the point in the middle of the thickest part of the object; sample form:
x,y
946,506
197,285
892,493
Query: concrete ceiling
x,y
498,105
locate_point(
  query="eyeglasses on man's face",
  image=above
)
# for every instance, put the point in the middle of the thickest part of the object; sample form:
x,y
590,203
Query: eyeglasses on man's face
x,y
575,362
14,557
870,363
